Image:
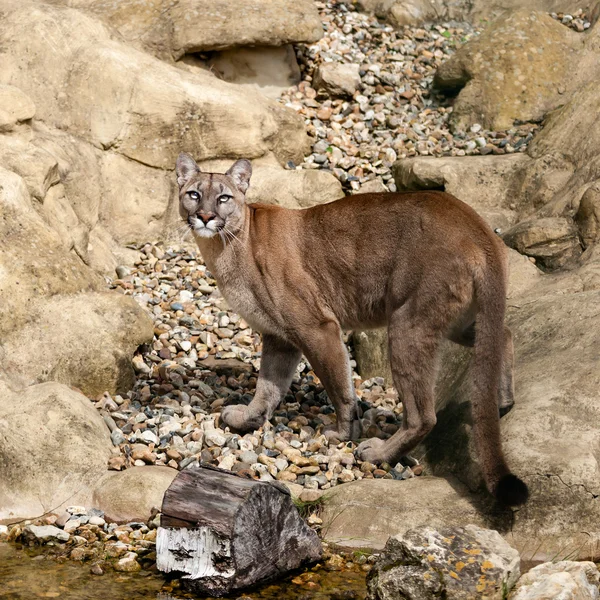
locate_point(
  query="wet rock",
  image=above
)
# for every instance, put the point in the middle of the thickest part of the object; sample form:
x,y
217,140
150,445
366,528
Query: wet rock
x,y
128,564
47,533
458,563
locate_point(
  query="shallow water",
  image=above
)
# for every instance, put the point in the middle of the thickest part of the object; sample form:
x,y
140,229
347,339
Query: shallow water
x,y
24,576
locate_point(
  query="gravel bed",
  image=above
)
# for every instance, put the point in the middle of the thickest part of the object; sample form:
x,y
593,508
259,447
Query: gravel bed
x,y
579,20
205,357
394,112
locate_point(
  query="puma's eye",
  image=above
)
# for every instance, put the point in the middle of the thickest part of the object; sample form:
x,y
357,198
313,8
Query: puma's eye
x,y
194,195
224,198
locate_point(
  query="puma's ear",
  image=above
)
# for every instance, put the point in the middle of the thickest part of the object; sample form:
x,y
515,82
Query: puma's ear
x,y
186,168
240,172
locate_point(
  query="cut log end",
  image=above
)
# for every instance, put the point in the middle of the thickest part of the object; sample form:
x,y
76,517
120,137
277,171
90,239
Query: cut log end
x,y
221,533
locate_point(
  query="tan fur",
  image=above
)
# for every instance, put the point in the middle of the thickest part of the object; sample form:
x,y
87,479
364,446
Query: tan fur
x,y
423,264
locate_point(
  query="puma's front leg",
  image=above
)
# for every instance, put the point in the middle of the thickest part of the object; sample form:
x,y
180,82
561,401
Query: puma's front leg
x,y
278,363
326,352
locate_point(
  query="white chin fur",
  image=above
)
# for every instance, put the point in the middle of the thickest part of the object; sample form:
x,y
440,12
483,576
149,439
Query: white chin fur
x,y
204,232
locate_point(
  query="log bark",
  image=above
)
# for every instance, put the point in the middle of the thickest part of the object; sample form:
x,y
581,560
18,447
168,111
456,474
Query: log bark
x,y
220,532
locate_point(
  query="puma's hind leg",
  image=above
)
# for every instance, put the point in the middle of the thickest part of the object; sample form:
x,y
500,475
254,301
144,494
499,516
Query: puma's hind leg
x,y
413,345
506,393
278,364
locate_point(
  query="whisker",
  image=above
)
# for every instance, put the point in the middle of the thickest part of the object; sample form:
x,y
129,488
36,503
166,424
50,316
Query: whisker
x,y
235,237
185,235
178,227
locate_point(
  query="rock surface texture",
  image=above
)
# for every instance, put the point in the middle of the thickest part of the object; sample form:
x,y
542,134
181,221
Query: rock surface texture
x,y
54,447
366,513
455,563
171,29
132,495
517,69
563,579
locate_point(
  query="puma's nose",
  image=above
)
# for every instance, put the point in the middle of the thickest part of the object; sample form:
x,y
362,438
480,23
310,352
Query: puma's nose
x,y
206,217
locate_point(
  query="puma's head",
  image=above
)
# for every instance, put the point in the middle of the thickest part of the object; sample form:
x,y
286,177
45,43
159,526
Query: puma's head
x,y
212,203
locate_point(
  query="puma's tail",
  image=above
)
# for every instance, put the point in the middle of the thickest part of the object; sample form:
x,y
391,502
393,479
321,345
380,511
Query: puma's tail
x,y
490,290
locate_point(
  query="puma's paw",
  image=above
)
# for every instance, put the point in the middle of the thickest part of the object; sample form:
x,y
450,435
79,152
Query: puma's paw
x,y
352,431
372,451
238,417
332,433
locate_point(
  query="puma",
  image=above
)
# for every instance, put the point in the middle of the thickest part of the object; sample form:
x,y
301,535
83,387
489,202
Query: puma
x,y
424,264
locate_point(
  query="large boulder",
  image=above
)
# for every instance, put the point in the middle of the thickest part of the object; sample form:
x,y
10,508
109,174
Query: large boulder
x,y
487,183
456,563
517,69
224,25
55,324
124,99
169,29
54,446
366,513
83,340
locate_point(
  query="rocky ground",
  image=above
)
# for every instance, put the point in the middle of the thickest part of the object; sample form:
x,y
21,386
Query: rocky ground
x,y
83,535
204,357
388,107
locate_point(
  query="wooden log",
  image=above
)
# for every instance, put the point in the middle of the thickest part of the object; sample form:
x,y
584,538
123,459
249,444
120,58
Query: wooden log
x,y
220,532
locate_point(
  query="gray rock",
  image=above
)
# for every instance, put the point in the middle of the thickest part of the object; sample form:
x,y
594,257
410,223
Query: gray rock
x,y
122,271
117,437
47,533
456,563
249,457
